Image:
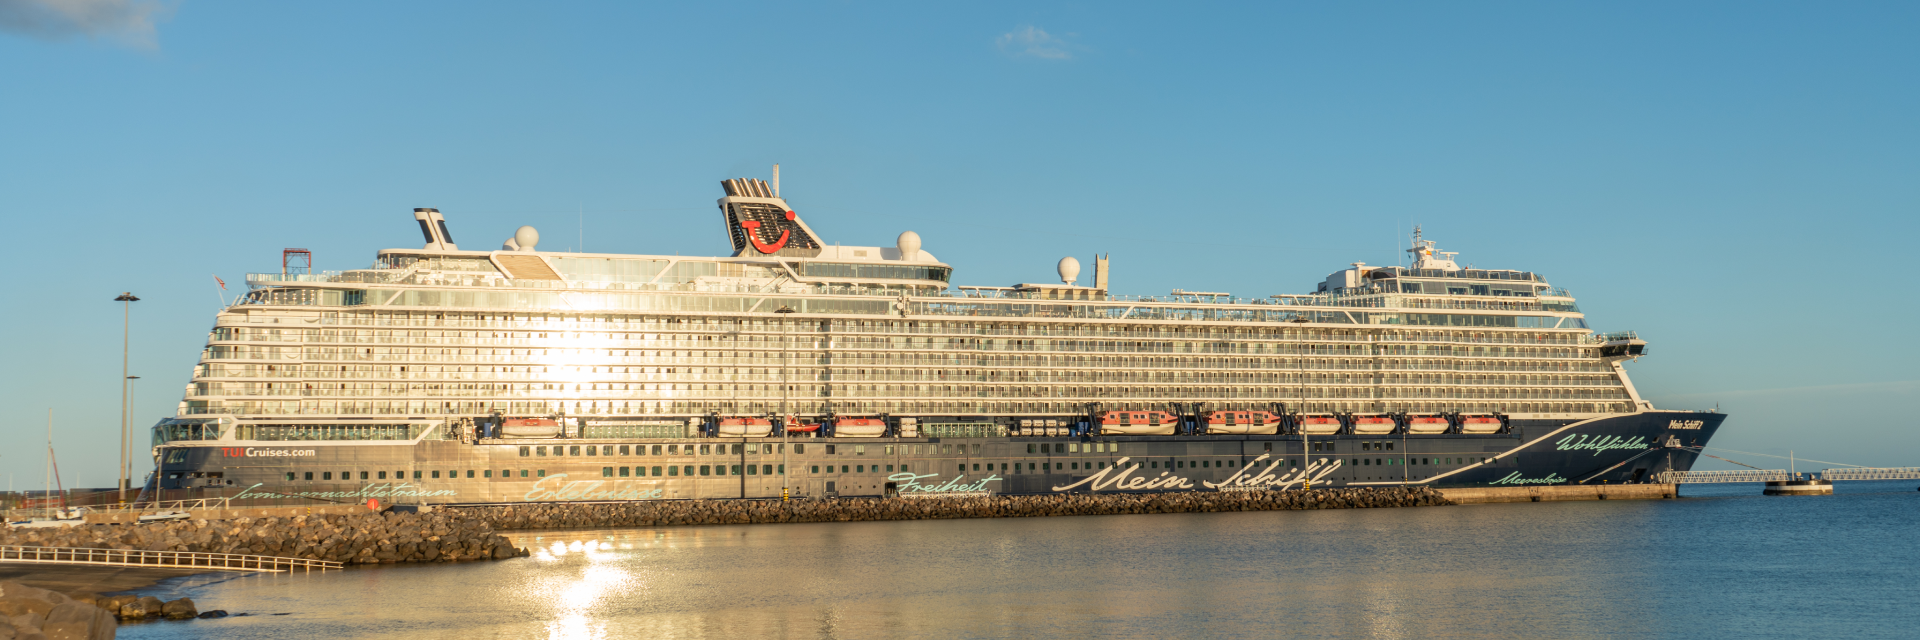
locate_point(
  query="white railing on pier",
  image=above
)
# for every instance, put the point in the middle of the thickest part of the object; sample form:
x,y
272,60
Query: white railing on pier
x,y
1872,473
1710,477
169,505
165,559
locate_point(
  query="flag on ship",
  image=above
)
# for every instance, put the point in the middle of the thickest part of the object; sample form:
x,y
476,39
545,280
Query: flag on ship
x,y
223,283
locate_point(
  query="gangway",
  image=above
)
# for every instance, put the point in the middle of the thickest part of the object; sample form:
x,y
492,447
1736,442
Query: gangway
x,y
161,559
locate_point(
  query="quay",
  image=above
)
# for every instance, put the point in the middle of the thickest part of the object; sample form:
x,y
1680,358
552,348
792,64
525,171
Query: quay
x,y
1488,495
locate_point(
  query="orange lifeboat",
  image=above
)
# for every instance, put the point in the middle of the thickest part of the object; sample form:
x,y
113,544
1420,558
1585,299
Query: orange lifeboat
x,y
1319,425
1373,425
859,427
745,428
1479,424
1242,422
529,428
1427,424
1138,423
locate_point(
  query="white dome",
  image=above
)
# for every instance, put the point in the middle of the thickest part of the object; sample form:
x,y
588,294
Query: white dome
x,y
527,238
1069,270
909,244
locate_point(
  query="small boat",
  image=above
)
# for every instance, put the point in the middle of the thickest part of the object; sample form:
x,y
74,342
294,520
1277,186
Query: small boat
x,y
745,428
1321,425
1373,425
164,516
1242,422
1427,424
529,428
859,427
1479,424
1138,423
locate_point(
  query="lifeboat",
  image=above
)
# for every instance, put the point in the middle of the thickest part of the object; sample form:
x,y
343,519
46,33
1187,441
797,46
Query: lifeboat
x,y
1242,422
529,428
1138,423
1427,424
859,427
794,426
1479,424
1319,425
1373,425
745,428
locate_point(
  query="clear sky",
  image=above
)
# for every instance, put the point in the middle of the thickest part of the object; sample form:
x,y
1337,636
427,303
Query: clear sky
x,y
1736,181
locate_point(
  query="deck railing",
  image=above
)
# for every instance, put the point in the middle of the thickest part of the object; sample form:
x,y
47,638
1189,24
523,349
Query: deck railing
x,y
166,559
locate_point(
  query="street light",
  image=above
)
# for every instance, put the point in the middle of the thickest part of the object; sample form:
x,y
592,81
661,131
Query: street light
x,y
133,398
126,301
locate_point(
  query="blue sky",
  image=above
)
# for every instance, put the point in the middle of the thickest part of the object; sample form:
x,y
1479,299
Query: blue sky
x,y
1735,181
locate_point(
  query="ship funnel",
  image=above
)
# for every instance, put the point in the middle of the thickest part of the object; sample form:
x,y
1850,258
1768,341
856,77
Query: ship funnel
x,y
434,227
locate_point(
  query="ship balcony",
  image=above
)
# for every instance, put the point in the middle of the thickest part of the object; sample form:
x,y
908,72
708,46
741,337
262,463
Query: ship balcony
x,y
1621,345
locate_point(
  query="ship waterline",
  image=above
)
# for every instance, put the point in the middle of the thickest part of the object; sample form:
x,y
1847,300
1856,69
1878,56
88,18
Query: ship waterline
x,y
796,367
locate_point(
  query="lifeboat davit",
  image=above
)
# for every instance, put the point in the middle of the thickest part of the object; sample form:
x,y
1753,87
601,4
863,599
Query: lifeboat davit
x,y
1242,422
1319,425
1479,424
745,427
1138,423
1427,424
859,427
1373,425
529,428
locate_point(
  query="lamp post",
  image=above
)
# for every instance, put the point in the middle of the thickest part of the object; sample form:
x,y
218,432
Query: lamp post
x,y
126,301
133,398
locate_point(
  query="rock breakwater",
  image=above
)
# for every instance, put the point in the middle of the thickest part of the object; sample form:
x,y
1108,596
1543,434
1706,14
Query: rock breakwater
x,y
366,538
712,512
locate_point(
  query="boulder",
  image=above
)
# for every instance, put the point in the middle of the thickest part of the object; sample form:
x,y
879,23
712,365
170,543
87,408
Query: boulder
x,y
216,613
79,621
181,609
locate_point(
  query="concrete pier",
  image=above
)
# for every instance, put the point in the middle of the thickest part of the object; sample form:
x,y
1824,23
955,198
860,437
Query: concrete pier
x,y
1487,495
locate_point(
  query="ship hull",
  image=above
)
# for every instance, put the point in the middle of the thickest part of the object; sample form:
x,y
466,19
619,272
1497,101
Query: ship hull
x,y
1616,449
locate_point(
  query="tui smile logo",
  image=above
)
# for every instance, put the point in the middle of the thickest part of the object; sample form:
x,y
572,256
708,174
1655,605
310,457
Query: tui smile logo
x,y
753,235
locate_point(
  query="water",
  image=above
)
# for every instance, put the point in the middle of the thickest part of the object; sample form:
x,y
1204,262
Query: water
x,y
1725,562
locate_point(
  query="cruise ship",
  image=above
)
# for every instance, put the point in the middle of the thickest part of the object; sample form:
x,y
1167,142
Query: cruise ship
x,y
798,368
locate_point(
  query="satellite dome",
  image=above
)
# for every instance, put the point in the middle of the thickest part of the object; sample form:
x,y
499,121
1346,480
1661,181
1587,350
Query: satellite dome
x,y
909,246
1069,269
526,237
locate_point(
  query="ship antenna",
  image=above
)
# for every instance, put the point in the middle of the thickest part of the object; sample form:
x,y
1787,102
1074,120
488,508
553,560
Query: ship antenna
x,y
776,179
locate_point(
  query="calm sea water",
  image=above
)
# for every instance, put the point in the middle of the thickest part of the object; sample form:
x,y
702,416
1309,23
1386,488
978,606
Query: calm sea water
x,y
1723,562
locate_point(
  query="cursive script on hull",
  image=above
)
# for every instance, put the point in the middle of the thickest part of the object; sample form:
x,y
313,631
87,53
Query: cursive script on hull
x,y
1119,477
557,487
1599,445
909,484
381,490
1514,478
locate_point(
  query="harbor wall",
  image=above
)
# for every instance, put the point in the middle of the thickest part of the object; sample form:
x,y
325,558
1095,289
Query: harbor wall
x,y
716,512
1488,495
235,513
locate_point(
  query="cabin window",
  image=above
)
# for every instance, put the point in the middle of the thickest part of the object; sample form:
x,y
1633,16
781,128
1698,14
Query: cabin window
x,y
830,449
706,449
436,475
383,475
814,469
326,475
800,448
607,472
289,476
946,448
623,449
524,451
309,475
363,475
1155,464
573,450
889,449
487,474
1057,448
656,470
766,469
542,473
752,470
736,449
672,449
523,473
889,468
540,451
859,449
860,468
706,470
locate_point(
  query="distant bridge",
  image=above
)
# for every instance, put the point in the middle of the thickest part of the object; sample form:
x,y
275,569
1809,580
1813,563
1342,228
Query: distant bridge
x,y
1782,475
